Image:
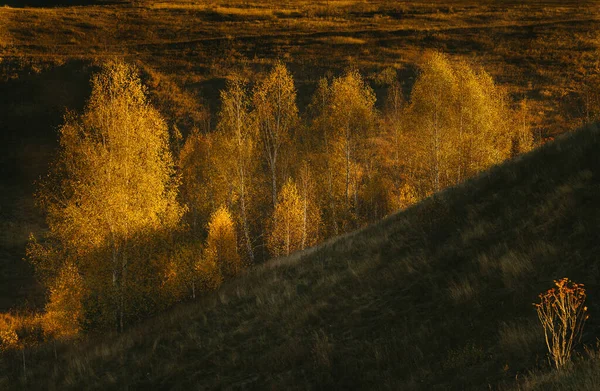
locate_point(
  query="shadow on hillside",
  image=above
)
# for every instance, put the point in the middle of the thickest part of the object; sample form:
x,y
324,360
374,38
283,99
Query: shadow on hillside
x,y
32,107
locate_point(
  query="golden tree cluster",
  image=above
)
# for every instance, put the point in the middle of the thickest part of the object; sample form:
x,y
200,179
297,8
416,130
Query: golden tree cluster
x,y
134,228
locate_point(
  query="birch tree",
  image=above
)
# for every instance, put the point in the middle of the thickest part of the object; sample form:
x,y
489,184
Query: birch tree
x,y
311,212
349,116
113,184
64,312
238,163
200,189
458,121
276,114
288,222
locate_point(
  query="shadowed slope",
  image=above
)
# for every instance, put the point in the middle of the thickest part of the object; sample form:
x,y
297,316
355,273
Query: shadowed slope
x,y
436,297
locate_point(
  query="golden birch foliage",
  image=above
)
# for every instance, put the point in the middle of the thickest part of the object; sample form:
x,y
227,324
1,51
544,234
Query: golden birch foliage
x,y
314,136
485,121
395,152
287,223
208,273
237,162
318,104
276,115
311,211
432,93
201,189
320,149
9,339
115,166
187,273
378,196
221,244
64,311
458,121
522,137
406,196
393,117
20,330
350,116
112,183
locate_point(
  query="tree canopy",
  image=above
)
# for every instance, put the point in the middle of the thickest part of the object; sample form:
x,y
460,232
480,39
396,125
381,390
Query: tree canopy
x,y
111,189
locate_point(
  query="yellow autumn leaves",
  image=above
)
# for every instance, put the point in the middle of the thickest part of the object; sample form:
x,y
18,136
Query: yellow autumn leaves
x,y
64,311
111,201
295,222
460,124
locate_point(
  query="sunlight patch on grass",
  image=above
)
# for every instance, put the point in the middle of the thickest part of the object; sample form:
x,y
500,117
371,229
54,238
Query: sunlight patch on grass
x,y
225,11
514,266
462,291
340,40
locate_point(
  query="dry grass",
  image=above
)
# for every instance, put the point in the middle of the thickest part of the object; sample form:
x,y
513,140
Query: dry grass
x,y
583,376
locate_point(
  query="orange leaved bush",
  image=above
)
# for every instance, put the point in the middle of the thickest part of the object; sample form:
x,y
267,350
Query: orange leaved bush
x,y
562,313
64,311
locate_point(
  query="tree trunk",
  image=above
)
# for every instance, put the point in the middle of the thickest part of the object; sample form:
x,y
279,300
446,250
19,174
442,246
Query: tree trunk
x,y
24,364
245,226
123,286
274,182
332,204
304,221
347,171
115,279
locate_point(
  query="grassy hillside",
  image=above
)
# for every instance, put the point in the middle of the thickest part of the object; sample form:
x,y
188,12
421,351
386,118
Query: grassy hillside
x,y
437,297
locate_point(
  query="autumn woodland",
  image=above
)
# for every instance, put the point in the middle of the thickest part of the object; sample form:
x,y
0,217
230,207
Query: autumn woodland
x,y
213,206
262,185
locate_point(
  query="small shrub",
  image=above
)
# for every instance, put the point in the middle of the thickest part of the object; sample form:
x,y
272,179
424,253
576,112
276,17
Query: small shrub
x,y
562,313
64,311
20,330
8,339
